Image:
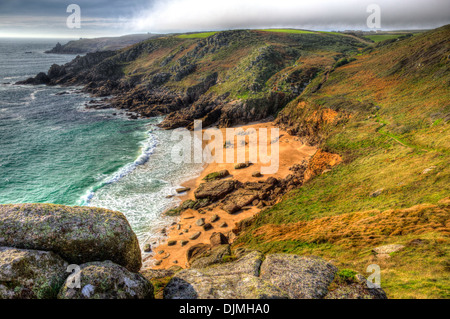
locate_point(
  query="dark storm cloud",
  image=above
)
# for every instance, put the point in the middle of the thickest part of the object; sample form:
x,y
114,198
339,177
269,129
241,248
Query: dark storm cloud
x,y
120,17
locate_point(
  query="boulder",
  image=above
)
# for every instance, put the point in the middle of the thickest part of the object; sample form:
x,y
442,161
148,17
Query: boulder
x,y
182,190
216,175
200,222
77,234
211,257
30,274
215,190
300,277
106,280
388,249
195,236
207,227
236,280
217,239
196,251
256,174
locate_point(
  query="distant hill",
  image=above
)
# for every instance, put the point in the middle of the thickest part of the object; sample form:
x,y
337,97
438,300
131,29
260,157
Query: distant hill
x,y
99,44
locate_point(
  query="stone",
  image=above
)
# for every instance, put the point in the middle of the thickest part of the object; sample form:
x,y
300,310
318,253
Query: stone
x,y
377,193
158,262
256,174
214,218
218,239
196,250
106,280
215,190
242,165
236,280
147,248
30,274
184,243
172,243
182,190
231,208
388,249
300,277
200,222
429,169
77,234
195,236
207,227
216,175
211,257
223,225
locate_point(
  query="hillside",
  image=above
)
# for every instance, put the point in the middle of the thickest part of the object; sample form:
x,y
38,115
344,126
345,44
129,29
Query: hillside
x,y
83,46
230,77
382,107
386,113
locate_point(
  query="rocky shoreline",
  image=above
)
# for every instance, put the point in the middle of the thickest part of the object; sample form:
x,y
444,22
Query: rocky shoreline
x,y
37,246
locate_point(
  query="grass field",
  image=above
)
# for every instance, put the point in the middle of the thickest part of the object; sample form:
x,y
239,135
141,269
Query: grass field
x,y
196,35
289,31
381,37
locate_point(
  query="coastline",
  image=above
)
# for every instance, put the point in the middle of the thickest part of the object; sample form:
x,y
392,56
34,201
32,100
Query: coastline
x,y
291,151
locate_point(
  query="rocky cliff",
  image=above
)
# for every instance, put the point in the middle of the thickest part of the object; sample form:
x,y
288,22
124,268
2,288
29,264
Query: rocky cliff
x,y
227,78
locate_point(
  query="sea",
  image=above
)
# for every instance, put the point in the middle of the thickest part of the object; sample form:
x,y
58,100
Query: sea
x,y
55,150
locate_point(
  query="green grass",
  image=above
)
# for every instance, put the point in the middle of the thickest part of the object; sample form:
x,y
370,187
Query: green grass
x,y
289,31
381,37
201,35
390,127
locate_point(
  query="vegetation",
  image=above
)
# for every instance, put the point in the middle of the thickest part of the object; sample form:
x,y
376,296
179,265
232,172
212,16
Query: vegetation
x,y
381,37
196,35
293,31
386,114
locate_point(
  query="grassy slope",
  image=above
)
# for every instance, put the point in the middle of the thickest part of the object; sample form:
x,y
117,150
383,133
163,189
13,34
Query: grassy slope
x,y
392,123
247,58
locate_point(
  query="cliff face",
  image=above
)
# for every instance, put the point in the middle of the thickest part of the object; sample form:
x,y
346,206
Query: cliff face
x,y
83,46
230,77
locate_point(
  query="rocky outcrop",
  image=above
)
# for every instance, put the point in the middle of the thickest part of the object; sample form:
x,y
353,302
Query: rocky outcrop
x,y
228,78
216,189
300,277
106,280
77,234
30,274
253,277
210,257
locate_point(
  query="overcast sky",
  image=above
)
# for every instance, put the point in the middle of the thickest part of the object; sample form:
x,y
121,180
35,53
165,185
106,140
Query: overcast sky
x,y
47,18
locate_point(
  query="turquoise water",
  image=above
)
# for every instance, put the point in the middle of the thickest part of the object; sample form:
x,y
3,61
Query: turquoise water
x,y
53,150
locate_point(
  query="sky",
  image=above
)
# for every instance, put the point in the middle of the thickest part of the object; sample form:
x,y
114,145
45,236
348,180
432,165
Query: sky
x,y
48,18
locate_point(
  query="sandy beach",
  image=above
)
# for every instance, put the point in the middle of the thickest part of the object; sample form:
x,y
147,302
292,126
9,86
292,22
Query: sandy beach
x,y
291,151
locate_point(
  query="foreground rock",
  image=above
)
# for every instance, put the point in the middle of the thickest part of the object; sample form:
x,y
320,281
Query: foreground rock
x,y
30,274
106,280
238,280
77,234
300,277
253,277
215,190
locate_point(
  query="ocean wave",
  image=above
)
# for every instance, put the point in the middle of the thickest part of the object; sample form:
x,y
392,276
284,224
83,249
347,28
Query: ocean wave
x,y
147,149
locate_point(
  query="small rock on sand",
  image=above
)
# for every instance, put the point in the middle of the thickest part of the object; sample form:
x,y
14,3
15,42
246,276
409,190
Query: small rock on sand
x,y
207,227
195,236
